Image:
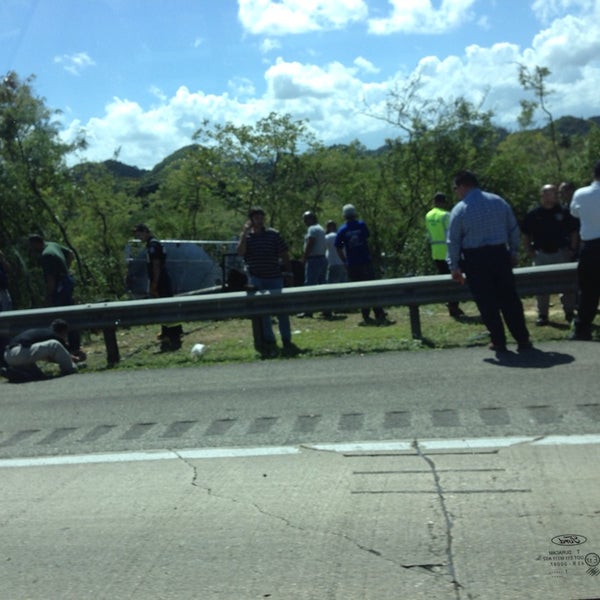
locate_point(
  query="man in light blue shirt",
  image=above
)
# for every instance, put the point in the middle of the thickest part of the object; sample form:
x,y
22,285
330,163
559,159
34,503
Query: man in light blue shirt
x,y
483,242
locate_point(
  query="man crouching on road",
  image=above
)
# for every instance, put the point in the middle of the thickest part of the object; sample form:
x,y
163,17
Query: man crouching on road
x,y
32,345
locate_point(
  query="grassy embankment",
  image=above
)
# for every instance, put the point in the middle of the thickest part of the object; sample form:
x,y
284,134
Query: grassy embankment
x,y
230,341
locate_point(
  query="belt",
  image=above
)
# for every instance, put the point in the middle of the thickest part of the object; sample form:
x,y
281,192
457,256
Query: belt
x,y
553,251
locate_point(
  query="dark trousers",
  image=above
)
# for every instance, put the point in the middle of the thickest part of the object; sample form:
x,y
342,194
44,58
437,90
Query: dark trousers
x,y
492,283
588,277
63,296
365,273
443,269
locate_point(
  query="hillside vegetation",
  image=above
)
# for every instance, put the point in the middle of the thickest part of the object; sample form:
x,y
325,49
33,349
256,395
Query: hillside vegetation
x,y
203,190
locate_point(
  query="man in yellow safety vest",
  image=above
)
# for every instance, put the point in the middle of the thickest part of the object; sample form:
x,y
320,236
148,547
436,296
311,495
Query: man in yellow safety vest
x,y
436,222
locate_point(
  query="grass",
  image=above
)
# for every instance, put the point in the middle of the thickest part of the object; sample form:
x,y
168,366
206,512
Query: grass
x,y
230,341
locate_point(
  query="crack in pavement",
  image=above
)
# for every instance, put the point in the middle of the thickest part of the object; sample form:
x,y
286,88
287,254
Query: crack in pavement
x,y
447,519
426,568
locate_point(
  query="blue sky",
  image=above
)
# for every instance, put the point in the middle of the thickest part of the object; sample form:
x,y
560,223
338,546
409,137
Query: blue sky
x,y
141,75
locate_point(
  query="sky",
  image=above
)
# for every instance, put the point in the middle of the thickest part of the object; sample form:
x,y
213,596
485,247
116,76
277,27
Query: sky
x,y
140,76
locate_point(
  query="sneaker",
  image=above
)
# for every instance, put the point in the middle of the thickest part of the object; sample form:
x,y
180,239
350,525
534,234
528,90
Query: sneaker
x,y
542,320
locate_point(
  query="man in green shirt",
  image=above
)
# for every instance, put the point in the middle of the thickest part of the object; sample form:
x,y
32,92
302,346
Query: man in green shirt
x,y
56,261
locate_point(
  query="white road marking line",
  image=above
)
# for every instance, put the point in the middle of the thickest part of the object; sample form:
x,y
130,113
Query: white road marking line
x,y
207,453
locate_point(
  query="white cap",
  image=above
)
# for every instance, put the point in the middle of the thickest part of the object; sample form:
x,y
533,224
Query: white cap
x,y
348,211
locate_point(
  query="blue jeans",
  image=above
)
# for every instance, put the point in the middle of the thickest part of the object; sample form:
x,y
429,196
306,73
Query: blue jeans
x,y
272,285
315,270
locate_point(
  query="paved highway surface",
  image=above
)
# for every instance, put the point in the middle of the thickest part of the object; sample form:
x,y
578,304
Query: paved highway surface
x,y
435,474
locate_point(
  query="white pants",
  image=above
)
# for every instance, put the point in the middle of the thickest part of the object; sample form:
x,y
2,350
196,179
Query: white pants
x,y
50,350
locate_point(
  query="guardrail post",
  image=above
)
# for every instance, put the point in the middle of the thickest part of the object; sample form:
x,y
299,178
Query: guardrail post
x,y
112,347
415,321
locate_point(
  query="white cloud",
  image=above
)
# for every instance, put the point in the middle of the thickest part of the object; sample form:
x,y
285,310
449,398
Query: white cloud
x,y
365,65
75,63
546,10
566,46
334,96
283,17
420,16
269,44
241,86
288,80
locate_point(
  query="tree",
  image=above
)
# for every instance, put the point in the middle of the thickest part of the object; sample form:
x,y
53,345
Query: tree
x,y
259,164
438,138
535,81
35,189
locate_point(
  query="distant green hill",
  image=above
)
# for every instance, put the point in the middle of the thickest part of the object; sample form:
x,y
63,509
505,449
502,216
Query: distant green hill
x,y
146,182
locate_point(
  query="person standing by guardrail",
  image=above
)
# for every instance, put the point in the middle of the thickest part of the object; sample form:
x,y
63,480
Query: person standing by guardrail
x,y
436,223
353,249
551,236
159,283
5,299
56,261
313,256
264,252
585,206
483,241
336,269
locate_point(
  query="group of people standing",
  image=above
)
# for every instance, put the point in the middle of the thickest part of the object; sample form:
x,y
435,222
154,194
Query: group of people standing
x,y
476,243
478,240
329,255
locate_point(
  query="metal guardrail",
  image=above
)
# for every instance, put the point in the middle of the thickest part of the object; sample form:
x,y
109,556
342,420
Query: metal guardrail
x,y
410,291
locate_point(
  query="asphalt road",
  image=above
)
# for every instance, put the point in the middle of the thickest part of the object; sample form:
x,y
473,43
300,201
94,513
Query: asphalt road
x,y
390,396
435,474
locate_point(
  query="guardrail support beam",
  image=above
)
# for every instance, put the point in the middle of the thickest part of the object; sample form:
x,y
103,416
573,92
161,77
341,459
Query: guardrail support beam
x,y
112,347
415,322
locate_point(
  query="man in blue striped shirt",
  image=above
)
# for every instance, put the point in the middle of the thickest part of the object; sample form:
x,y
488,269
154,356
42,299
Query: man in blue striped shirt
x,y
483,241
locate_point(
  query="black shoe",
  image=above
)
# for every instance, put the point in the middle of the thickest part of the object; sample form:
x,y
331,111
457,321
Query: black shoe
x,y
580,337
290,349
542,320
524,346
569,316
497,347
23,375
456,313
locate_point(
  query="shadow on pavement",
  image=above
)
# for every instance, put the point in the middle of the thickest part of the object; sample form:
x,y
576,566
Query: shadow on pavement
x,y
531,359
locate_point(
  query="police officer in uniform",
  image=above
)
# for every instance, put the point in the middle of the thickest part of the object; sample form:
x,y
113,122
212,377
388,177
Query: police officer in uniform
x,y
160,283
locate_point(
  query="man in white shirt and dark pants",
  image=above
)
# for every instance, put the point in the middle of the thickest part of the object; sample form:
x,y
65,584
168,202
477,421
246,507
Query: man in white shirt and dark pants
x,y
585,206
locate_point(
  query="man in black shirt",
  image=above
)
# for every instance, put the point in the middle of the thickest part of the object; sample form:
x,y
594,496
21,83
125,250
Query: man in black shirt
x,y
32,345
159,283
551,235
